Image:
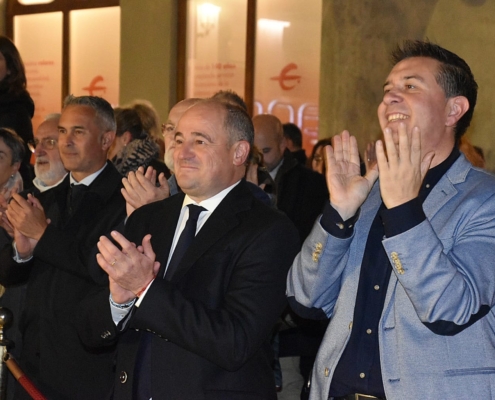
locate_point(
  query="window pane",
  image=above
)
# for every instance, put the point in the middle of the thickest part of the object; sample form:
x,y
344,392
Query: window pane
x,y
287,69
95,53
38,38
216,46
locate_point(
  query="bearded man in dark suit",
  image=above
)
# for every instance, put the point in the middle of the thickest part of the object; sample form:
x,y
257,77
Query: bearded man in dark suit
x,y
202,330
53,237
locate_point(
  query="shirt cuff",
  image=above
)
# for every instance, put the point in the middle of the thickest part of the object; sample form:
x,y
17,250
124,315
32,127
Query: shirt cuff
x,y
400,219
333,223
141,296
17,258
119,311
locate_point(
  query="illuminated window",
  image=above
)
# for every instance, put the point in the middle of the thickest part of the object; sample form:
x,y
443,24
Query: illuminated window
x,y
39,40
276,73
287,68
216,38
86,61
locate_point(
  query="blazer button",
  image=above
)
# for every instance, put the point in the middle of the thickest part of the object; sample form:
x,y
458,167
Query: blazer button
x,y
317,252
105,334
123,377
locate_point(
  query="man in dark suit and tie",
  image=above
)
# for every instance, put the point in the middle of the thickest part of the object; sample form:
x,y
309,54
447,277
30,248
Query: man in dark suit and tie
x,y
197,325
53,237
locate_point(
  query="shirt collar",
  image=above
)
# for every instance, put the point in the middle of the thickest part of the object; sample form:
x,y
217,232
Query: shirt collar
x,y
212,203
273,172
89,179
42,187
435,174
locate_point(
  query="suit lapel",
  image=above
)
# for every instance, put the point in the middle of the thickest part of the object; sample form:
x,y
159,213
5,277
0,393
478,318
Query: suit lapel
x,y
220,222
445,189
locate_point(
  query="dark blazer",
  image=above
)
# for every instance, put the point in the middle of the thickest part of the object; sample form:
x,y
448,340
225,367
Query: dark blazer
x,y
59,278
210,324
301,194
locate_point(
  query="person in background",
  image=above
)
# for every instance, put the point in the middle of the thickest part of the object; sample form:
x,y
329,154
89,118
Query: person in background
x,y
151,122
48,166
16,106
301,193
317,158
293,141
12,150
133,147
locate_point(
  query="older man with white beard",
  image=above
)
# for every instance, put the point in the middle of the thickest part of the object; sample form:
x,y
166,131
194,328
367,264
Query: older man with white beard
x,y
48,166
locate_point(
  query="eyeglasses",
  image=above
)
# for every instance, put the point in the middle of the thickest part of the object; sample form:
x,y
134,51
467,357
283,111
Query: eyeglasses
x,y
47,144
167,128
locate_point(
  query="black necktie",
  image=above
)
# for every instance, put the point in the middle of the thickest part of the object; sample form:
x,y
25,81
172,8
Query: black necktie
x,y
76,193
185,239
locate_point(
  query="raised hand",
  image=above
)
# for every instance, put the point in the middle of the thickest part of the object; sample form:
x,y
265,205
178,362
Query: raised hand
x,y
348,189
402,168
129,269
140,188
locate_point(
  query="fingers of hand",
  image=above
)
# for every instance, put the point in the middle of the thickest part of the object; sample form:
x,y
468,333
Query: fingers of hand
x,y
149,173
145,182
381,157
388,141
147,248
128,248
130,196
337,147
415,146
346,146
108,250
404,143
162,180
353,150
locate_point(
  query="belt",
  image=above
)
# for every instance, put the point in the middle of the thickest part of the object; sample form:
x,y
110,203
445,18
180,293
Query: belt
x,y
357,396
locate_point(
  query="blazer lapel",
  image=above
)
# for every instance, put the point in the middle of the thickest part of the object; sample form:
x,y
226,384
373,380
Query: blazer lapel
x,y
220,222
445,189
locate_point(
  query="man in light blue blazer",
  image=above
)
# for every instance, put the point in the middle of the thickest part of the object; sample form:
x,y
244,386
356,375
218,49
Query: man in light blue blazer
x,y
403,259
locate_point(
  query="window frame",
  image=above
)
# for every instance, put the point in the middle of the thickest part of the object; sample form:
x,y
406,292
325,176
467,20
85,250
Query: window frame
x,y
15,8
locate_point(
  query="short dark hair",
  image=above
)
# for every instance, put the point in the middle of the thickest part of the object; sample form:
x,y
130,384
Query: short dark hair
x,y
231,97
128,121
320,143
454,75
15,143
103,109
15,81
292,132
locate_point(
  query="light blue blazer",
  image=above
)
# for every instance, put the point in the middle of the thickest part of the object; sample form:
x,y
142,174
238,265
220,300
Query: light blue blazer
x,y
443,270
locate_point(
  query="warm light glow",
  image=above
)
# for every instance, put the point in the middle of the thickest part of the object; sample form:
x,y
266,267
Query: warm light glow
x,y
209,10
32,2
272,23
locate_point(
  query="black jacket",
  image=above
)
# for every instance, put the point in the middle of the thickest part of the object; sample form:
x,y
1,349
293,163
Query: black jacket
x,y
210,324
301,194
